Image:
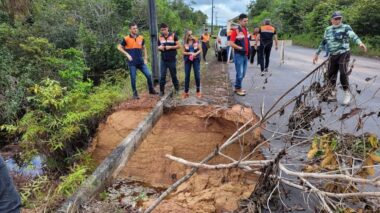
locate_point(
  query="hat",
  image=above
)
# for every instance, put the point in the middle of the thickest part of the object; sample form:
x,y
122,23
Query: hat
x,y
336,14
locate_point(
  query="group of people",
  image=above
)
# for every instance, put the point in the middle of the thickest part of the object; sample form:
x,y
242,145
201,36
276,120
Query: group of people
x,y
336,42
133,48
245,46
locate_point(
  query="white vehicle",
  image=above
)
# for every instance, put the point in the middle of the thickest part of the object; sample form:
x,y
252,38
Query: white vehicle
x,y
221,44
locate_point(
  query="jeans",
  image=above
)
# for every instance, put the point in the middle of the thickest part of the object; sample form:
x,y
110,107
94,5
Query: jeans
x,y
10,201
172,66
264,53
338,63
241,67
144,69
197,75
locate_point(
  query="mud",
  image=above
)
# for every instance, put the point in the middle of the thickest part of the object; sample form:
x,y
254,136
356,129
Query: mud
x,y
189,132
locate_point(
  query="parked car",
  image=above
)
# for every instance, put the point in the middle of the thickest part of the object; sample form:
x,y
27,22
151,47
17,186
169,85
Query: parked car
x,y
221,44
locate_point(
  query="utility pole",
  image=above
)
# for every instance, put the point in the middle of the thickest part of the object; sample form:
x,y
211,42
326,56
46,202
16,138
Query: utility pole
x,y
212,16
153,40
216,18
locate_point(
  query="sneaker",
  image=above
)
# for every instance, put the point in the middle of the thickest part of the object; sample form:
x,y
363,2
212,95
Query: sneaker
x,y
199,95
262,73
162,93
135,97
243,90
347,98
240,92
266,70
206,62
153,92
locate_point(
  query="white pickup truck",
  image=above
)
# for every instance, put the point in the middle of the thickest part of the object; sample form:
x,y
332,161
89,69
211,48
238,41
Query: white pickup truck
x,y
221,44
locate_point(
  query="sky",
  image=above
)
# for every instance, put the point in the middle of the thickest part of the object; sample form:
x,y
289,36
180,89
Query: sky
x,y
226,9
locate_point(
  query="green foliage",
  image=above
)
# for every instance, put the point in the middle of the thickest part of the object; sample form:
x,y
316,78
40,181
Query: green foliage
x,y
72,181
305,21
60,116
34,189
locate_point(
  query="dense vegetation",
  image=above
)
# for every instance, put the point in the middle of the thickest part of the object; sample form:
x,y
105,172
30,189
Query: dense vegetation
x,y
305,21
60,72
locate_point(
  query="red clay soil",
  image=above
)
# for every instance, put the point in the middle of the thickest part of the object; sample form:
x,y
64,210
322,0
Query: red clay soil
x,y
119,124
190,132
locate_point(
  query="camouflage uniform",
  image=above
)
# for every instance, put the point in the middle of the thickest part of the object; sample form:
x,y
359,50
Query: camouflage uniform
x,y
338,42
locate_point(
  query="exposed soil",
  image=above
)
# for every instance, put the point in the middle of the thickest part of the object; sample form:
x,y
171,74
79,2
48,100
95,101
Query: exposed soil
x,y
190,132
119,124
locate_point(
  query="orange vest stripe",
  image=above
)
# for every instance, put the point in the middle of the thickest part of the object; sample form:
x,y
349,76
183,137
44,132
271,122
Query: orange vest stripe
x,y
205,37
133,43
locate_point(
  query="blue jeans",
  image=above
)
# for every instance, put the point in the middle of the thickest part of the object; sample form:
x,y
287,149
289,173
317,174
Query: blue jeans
x,y
10,201
172,66
144,69
241,67
197,74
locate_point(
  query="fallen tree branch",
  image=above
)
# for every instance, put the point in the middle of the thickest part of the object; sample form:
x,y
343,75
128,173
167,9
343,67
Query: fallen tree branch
x,y
240,164
374,182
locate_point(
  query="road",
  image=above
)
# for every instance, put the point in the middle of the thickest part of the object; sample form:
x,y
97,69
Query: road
x,y
297,65
267,89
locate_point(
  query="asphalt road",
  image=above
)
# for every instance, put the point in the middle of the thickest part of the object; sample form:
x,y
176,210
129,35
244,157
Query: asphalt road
x,y
267,89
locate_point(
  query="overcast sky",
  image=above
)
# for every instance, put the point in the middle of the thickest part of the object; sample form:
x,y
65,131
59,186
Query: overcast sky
x,y
226,9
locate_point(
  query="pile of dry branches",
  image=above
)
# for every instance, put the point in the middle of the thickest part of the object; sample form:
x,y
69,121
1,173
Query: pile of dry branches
x,y
334,173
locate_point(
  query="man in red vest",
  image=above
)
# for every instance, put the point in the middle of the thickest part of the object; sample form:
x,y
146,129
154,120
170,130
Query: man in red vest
x,y
239,41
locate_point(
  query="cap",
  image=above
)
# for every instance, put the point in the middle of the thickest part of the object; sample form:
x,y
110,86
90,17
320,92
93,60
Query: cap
x,y
267,21
336,14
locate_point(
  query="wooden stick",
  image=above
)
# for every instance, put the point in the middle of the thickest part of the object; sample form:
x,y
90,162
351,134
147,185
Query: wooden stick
x,y
219,166
348,178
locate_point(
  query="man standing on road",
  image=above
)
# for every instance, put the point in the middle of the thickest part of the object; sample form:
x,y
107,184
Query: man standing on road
x,y
266,34
337,38
239,41
205,38
132,48
254,43
168,45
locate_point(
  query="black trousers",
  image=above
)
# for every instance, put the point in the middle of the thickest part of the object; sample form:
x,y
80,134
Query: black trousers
x,y
264,53
252,55
338,63
204,50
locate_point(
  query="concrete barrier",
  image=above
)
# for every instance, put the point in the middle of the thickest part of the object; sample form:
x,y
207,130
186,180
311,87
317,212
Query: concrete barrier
x,y
112,165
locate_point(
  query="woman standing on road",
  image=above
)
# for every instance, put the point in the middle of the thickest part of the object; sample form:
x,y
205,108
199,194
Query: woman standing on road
x,y
191,51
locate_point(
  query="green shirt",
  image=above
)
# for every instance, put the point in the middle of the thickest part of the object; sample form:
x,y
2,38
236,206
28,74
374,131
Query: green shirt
x,y
338,38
